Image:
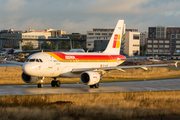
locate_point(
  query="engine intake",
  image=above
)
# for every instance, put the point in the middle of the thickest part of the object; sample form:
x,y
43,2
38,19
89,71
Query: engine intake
x,y
90,78
30,79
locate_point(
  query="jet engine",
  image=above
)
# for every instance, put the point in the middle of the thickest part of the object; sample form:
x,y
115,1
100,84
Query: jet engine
x,y
90,78
30,79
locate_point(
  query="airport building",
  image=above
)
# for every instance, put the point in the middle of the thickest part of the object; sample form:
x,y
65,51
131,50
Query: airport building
x,y
163,41
132,42
77,38
143,38
31,34
10,34
97,39
55,33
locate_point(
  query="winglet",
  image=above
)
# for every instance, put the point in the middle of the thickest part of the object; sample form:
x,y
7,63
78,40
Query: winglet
x,y
5,59
144,68
120,69
176,63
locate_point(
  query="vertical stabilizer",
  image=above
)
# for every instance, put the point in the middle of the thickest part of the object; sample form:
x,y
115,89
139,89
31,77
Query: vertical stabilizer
x,y
114,44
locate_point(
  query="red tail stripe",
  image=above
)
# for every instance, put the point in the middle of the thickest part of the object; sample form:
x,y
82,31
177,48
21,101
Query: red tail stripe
x,y
115,40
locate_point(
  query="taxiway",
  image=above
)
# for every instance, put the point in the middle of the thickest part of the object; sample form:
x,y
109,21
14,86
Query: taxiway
x,y
149,85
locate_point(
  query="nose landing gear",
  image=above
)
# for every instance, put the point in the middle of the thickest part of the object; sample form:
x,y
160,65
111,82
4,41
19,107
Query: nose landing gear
x,y
40,85
55,83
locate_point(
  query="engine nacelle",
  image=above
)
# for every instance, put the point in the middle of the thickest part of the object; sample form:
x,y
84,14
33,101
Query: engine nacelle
x,y
90,78
30,79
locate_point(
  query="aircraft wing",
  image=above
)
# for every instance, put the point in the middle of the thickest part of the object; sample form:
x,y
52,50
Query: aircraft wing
x,y
134,58
13,62
145,67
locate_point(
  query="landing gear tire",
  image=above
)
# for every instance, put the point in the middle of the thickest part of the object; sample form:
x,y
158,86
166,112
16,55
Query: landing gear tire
x,y
58,83
94,86
53,83
40,85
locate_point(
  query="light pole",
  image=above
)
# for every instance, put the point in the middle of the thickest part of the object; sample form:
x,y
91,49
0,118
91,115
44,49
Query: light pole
x,y
153,44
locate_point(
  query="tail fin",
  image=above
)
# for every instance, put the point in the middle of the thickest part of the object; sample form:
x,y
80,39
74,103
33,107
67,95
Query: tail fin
x,y
114,44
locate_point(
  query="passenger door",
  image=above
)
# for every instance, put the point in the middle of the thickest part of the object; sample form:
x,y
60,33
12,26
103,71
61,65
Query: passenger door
x,y
50,61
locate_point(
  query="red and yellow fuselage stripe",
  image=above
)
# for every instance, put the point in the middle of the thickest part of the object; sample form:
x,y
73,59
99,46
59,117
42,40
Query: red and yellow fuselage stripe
x,y
85,58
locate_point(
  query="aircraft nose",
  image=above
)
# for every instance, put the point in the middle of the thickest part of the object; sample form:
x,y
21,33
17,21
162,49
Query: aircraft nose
x,y
27,68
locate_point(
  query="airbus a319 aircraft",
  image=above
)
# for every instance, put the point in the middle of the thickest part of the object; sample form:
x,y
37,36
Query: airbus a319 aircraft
x,y
88,66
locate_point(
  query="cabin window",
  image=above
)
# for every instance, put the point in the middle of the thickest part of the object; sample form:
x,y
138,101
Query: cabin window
x,y
37,60
40,60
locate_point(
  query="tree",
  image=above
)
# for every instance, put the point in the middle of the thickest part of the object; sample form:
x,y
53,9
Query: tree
x,y
64,45
6,46
46,45
143,49
28,46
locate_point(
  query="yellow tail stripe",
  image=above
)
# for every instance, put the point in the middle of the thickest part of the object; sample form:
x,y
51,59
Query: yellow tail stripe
x,y
118,41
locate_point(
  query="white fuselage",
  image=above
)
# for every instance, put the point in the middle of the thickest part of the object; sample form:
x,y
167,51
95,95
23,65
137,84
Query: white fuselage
x,y
50,65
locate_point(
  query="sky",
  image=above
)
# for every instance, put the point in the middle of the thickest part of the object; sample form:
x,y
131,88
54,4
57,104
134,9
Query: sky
x,y
80,16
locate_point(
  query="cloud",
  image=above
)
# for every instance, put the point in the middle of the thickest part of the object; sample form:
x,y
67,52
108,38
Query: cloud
x,y
171,13
84,15
13,5
115,6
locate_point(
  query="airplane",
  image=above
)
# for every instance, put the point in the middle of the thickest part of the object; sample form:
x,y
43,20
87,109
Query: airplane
x,y
90,67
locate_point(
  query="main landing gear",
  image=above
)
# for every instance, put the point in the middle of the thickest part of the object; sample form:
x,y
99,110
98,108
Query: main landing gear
x,y
94,86
55,83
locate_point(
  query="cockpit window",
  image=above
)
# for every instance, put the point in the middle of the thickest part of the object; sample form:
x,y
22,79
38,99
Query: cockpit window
x,y
40,60
32,60
27,60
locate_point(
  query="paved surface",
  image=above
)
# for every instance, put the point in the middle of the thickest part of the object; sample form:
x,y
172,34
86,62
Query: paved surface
x,y
167,84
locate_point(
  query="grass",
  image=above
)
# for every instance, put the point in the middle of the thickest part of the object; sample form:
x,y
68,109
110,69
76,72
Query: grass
x,y
12,75
108,106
